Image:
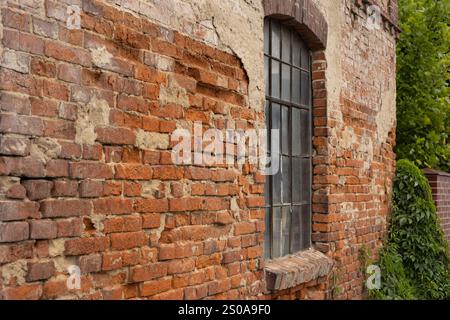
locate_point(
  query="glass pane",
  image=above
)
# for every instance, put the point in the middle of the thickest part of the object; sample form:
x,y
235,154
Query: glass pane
x,y
296,85
306,181
286,179
296,50
296,180
285,231
267,192
275,116
305,89
266,37
296,237
306,226
266,74
296,136
305,131
276,233
276,186
276,39
286,44
267,235
305,57
285,82
267,114
285,130
275,79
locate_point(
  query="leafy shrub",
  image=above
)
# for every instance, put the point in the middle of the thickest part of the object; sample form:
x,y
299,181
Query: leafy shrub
x,y
396,285
414,262
423,104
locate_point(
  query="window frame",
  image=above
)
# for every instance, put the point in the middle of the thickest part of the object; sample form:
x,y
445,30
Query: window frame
x,y
305,240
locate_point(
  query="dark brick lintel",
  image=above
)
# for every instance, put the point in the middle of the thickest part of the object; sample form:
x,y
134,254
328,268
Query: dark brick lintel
x,y
302,15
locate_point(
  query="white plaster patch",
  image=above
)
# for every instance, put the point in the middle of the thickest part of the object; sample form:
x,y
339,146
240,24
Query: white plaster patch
x,y
16,270
95,113
386,116
151,140
45,149
6,183
173,93
15,146
56,247
14,60
149,188
63,263
97,221
101,57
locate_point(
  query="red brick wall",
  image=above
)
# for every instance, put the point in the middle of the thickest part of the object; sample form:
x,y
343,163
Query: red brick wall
x,y
440,188
86,176
103,198
353,166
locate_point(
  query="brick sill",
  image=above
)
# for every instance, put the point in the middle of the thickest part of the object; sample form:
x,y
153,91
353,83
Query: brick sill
x,y
293,270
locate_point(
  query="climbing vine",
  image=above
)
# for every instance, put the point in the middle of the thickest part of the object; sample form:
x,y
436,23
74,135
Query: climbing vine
x,y
414,262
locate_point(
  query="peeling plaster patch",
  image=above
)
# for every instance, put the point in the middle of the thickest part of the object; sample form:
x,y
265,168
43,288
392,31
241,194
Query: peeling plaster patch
x,y
239,28
45,149
63,263
6,183
362,150
35,7
101,57
158,61
56,247
385,118
80,95
15,271
162,226
150,188
97,221
15,146
236,211
335,16
94,113
14,60
173,93
348,138
151,140
365,151
234,205
234,26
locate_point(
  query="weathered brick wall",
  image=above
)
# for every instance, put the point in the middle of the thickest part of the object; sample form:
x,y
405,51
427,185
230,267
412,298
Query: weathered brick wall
x,y
86,176
354,120
359,161
440,188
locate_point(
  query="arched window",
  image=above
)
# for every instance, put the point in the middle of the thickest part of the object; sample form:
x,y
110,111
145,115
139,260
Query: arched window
x,y
288,108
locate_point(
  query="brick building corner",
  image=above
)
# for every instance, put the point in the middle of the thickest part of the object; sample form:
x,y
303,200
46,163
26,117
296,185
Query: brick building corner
x,y
86,175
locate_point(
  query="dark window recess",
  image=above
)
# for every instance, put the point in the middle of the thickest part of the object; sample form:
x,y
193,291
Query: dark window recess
x,y
288,108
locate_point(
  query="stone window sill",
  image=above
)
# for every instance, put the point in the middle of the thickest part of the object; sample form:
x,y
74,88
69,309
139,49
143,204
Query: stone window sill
x,y
293,270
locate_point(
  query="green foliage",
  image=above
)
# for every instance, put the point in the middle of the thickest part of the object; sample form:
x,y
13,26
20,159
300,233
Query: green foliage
x,y
423,77
414,262
395,284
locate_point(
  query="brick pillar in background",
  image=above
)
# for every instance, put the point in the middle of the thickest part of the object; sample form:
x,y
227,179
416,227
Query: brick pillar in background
x,y
440,188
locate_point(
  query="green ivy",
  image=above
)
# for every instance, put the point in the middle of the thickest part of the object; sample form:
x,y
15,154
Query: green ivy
x,y
423,77
414,262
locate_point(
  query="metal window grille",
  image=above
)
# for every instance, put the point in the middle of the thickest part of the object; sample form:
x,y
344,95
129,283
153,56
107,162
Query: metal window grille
x,y
288,108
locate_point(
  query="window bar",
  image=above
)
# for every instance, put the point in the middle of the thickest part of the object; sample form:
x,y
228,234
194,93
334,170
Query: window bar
x,y
271,215
311,131
280,142
291,60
